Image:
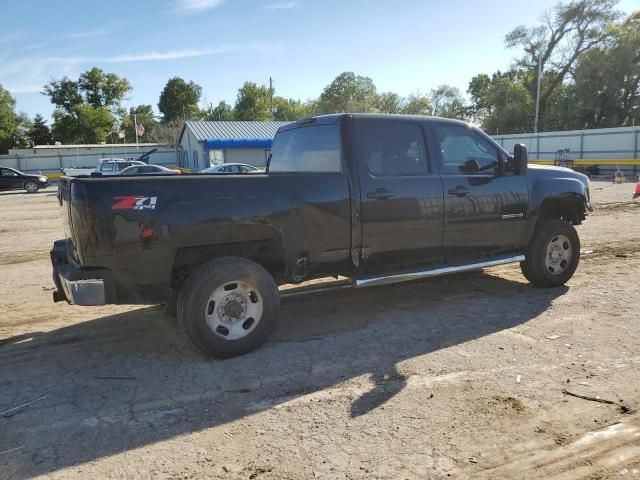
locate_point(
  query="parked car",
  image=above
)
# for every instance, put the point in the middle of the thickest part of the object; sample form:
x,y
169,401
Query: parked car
x,y
231,168
147,170
105,167
375,198
15,179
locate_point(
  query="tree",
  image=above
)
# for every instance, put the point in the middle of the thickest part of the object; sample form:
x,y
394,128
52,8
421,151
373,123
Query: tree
x,y
145,116
86,109
252,102
103,90
40,133
179,100
86,124
23,127
511,104
8,120
607,80
417,104
289,109
569,30
348,93
447,102
478,90
223,111
389,102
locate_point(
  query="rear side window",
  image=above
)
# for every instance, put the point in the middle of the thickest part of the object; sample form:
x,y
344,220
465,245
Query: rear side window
x,y
106,167
394,149
307,149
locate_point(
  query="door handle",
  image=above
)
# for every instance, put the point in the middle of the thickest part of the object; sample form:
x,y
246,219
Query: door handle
x,y
380,194
459,191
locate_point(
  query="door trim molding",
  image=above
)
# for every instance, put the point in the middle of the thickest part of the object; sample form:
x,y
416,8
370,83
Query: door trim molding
x,y
416,275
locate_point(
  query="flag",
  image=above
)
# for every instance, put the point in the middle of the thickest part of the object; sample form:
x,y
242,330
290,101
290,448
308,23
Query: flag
x,y
121,134
139,129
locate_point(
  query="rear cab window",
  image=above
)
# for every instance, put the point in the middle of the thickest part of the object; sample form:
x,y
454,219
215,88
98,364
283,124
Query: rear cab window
x,y
307,149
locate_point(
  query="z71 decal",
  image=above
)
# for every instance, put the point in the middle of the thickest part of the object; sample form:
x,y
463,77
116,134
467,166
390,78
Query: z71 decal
x,y
134,202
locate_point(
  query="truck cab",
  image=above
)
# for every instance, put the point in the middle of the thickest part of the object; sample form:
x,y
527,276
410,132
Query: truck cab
x,y
376,198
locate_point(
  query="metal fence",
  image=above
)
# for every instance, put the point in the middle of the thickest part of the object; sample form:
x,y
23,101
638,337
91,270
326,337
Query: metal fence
x,y
607,148
52,163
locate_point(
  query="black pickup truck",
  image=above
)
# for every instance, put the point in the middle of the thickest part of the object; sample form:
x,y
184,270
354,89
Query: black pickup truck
x,y
376,198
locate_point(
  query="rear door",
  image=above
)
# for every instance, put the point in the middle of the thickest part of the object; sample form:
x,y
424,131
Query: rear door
x,y
401,196
485,206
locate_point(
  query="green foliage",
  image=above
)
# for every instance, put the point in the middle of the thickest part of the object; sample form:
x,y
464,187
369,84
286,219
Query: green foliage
x,y
253,102
85,124
222,112
447,102
289,109
23,127
40,134
8,120
511,105
348,93
86,109
145,116
417,104
179,100
389,102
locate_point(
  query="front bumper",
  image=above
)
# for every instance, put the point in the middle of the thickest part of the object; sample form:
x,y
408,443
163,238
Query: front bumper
x,y
77,285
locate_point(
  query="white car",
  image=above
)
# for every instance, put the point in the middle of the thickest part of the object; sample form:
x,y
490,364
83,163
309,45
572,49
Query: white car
x,y
147,170
231,168
106,166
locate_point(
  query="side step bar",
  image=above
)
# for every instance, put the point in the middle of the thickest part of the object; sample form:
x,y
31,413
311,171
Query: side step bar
x,y
416,275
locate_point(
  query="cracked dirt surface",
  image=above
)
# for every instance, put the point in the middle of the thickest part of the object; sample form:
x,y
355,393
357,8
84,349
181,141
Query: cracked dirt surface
x,y
455,377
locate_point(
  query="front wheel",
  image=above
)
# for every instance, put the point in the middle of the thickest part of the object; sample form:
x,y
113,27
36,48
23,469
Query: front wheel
x,y
553,254
31,187
228,307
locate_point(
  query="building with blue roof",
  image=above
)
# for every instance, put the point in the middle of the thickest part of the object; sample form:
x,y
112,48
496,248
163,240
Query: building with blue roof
x,y
205,144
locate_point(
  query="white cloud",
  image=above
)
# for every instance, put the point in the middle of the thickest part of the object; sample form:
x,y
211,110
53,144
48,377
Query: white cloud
x,y
88,34
194,6
281,6
29,74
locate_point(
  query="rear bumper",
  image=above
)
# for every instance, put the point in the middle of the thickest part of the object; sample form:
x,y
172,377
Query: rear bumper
x,y
77,285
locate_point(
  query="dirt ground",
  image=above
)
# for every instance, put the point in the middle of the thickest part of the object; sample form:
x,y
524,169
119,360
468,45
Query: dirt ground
x,y
456,377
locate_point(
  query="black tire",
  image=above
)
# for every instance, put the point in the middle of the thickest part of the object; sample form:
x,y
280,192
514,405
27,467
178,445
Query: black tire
x,y
535,267
31,187
194,304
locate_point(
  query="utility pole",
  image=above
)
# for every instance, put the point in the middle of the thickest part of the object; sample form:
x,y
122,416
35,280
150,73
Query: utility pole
x,y
535,125
271,97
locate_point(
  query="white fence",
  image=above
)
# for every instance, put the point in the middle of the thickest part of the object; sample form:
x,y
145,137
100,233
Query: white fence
x,y
608,148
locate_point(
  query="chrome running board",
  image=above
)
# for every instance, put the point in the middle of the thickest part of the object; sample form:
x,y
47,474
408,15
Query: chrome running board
x,y
409,276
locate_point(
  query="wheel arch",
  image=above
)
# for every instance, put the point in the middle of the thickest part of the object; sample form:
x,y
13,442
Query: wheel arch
x,y
267,253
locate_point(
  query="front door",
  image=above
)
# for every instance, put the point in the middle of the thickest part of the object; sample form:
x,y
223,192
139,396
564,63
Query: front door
x,y
485,205
10,179
401,198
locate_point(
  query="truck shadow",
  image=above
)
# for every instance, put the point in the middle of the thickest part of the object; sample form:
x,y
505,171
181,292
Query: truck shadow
x,y
124,381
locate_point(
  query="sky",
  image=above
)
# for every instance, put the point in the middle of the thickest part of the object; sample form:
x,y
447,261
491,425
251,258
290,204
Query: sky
x,y
405,46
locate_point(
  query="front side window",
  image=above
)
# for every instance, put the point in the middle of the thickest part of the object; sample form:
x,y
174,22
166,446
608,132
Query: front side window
x,y
307,149
465,152
122,165
394,149
8,173
106,167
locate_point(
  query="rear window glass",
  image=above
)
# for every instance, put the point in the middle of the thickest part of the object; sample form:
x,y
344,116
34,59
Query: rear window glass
x,y
307,149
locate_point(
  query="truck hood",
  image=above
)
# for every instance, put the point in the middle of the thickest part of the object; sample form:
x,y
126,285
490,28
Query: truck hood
x,y
548,172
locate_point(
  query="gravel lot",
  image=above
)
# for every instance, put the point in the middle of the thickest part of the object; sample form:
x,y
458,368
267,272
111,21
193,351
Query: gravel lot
x,y
457,377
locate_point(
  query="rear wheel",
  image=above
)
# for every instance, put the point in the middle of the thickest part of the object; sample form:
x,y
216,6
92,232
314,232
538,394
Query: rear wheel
x,y
31,187
228,307
553,254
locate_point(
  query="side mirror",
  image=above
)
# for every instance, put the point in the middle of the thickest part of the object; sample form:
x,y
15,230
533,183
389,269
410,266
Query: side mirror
x,y
520,158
